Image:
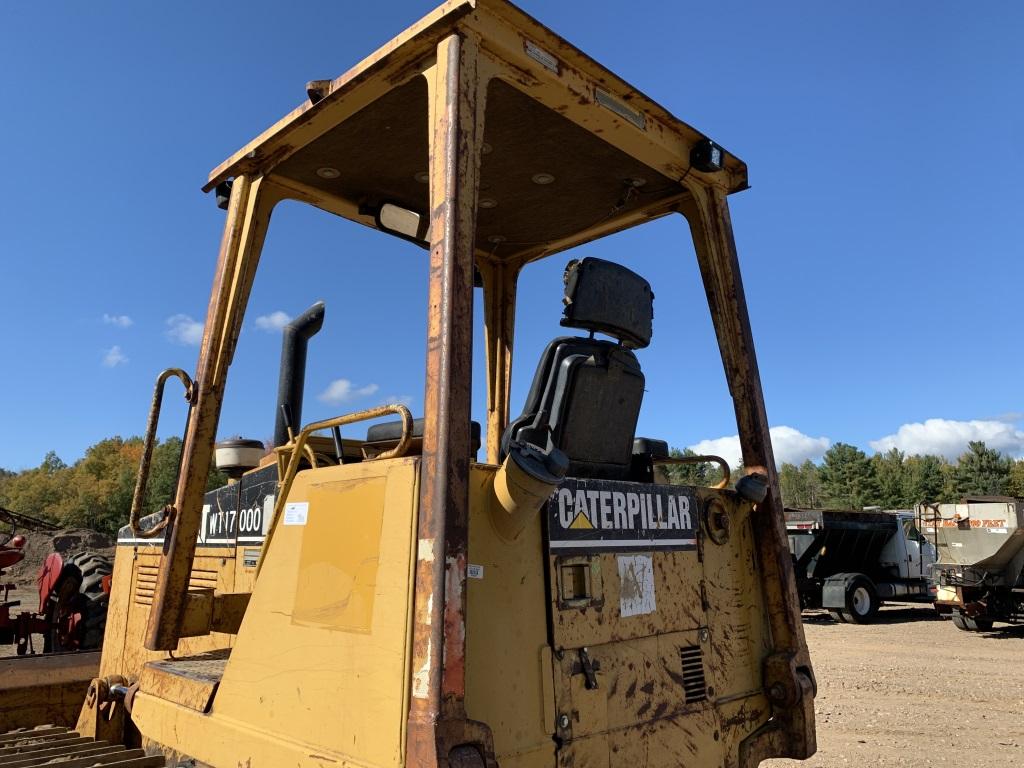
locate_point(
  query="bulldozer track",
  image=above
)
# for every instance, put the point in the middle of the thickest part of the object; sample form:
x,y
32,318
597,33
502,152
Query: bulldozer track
x,y
51,745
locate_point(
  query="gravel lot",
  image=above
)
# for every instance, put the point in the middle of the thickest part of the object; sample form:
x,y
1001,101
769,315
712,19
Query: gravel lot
x,y
912,690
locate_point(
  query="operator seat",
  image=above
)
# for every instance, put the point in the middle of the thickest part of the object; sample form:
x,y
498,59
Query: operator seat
x,y
586,394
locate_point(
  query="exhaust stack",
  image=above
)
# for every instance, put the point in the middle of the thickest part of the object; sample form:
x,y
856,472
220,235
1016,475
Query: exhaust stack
x,y
294,341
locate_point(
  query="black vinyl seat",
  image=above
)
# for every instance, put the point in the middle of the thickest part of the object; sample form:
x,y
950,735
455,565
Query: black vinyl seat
x,y
586,394
386,434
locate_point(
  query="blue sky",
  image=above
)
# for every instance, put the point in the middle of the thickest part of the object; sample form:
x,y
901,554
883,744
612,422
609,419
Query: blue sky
x,y
880,242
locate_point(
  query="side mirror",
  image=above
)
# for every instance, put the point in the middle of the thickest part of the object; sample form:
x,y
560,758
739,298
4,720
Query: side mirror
x,y
407,224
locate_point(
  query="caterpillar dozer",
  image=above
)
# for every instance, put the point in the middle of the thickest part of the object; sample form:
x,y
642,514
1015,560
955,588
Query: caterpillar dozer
x,y
393,600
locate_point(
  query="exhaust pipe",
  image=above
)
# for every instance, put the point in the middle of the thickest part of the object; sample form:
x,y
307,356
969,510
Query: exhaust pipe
x,y
294,341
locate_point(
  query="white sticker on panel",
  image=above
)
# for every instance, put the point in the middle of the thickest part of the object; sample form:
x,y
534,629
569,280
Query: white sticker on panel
x,y
296,512
636,585
474,571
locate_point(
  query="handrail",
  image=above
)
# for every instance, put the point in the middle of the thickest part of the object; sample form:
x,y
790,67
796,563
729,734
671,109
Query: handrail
x,y
709,459
298,446
138,497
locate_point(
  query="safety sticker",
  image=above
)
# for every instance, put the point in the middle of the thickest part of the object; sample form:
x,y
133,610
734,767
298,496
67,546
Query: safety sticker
x,y
593,515
474,571
296,512
636,585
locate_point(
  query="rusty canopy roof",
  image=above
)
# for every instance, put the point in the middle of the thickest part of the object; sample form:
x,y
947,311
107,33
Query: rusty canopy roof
x,y
611,157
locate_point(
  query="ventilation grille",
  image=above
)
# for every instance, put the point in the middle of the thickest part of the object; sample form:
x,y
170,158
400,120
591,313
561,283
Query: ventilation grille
x,y
145,582
693,674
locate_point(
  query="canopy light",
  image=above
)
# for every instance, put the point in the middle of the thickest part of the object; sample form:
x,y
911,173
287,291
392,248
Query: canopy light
x,y
402,222
707,156
223,194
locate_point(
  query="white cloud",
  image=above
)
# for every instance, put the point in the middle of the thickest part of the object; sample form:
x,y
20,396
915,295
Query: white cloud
x,y
791,446
405,400
114,357
275,321
182,329
121,321
949,438
341,390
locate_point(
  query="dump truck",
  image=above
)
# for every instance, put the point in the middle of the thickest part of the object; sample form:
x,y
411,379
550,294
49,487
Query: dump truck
x,y
850,561
405,598
979,573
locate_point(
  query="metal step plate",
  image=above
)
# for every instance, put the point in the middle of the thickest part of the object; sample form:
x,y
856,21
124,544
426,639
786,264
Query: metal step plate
x,y
48,745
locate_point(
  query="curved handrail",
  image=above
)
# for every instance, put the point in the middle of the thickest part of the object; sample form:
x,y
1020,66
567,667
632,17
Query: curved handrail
x,y
138,497
709,459
298,446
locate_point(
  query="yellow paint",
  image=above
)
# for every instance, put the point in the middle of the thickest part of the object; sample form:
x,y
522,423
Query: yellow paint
x,y
336,584
581,521
506,635
319,671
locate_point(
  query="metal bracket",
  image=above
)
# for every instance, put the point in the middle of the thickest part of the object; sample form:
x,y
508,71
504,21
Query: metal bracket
x,y
588,668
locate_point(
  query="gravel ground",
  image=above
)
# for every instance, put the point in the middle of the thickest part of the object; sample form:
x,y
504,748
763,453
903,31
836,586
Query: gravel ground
x,y
912,690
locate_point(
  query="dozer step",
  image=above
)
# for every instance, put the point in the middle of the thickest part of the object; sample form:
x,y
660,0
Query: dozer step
x,y
49,745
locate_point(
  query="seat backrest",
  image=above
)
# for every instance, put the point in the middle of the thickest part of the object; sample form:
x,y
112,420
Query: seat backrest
x,y
586,394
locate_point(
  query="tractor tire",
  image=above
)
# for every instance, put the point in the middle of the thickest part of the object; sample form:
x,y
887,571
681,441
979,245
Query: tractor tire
x,y
861,602
79,591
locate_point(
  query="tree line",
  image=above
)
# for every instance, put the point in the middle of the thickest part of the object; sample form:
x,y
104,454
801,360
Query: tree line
x,y
96,491
848,478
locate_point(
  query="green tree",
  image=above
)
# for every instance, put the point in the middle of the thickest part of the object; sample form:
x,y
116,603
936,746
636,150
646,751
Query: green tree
x,y
41,492
891,474
96,492
163,475
103,483
801,486
848,477
982,471
689,474
926,480
1015,484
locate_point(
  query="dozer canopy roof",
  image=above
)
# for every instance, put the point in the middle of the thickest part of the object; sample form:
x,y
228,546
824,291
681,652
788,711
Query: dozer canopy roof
x,y
570,151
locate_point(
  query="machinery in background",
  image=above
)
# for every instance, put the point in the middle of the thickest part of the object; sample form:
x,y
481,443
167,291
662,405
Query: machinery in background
x,y
979,573
73,590
849,562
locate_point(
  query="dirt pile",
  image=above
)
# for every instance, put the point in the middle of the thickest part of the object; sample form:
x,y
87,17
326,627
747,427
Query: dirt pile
x,y
38,545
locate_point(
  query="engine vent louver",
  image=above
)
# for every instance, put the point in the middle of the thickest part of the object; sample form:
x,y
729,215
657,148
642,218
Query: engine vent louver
x,y
146,578
694,686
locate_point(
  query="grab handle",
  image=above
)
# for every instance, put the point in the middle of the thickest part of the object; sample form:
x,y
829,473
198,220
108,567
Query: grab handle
x,y
138,498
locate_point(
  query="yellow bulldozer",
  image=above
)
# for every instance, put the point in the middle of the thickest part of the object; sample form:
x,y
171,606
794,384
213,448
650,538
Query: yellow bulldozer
x,y
393,600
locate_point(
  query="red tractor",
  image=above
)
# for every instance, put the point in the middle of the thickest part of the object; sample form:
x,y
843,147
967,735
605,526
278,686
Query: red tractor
x,y
73,594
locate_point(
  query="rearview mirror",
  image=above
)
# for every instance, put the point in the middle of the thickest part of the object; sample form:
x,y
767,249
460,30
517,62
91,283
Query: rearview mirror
x,y
402,222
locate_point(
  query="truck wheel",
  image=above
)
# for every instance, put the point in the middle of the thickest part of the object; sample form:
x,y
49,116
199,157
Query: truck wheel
x,y
837,616
77,613
861,601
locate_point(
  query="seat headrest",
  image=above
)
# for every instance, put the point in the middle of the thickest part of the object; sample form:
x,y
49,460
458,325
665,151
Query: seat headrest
x,y
606,297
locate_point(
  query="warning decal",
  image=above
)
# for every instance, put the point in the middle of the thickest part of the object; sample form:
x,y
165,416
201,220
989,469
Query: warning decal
x,y
636,585
591,515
